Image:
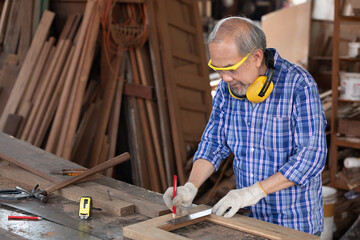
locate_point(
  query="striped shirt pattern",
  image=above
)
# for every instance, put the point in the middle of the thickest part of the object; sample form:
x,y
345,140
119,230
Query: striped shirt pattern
x,y
285,133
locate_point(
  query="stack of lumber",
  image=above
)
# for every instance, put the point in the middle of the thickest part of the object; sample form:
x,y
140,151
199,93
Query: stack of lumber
x,y
87,97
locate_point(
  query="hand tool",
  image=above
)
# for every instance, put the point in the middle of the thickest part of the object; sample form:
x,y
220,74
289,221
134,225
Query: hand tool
x,y
69,172
31,218
42,195
85,207
200,214
14,194
174,195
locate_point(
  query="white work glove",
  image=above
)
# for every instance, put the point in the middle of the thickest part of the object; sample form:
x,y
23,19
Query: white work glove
x,y
183,199
239,198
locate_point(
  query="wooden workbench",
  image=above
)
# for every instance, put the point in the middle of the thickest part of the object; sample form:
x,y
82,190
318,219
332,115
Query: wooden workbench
x,y
124,206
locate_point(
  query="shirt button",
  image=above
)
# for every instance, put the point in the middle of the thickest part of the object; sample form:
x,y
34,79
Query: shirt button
x,y
249,124
251,175
252,149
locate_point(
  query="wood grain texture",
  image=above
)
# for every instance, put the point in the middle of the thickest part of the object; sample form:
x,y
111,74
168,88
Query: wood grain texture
x,y
158,228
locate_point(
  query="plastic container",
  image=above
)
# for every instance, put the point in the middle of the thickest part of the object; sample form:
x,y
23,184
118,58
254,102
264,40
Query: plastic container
x,y
350,86
329,200
354,49
352,162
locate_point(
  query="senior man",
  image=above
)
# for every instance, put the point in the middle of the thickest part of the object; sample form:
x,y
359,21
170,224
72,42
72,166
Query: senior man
x,y
267,111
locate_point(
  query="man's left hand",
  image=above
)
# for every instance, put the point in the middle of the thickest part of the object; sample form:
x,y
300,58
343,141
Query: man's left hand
x,y
237,199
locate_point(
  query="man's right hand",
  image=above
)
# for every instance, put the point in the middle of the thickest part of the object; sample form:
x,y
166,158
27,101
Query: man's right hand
x,y
183,199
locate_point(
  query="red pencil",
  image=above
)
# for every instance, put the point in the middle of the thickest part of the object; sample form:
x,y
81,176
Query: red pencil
x,y
23,218
174,194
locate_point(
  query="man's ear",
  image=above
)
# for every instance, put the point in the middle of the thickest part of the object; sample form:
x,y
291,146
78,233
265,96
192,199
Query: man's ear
x,y
258,57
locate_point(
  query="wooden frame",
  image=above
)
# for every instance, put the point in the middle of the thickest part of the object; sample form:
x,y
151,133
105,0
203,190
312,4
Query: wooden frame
x,y
158,228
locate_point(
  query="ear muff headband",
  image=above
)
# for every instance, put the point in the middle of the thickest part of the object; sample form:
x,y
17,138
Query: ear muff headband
x,y
263,86
270,64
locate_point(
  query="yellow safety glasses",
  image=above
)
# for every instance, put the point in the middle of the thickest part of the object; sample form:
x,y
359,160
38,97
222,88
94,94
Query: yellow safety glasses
x,y
221,70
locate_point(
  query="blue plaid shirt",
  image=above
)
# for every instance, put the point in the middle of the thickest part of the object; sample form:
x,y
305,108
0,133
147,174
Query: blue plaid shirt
x,y
285,133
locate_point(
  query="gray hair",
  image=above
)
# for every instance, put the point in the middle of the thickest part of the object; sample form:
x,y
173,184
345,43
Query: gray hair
x,y
246,34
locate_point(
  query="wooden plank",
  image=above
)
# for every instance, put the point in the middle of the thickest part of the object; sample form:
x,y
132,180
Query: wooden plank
x,y
74,193
142,206
158,228
152,120
4,19
53,103
35,78
49,93
108,98
32,158
7,79
160,95
136,142
84,71
68,26
13,29
85,137
60,113
25,20
32,121
155,182
28,66
12,124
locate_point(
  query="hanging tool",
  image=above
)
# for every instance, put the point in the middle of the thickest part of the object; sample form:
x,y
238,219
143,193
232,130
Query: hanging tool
x,y
42,195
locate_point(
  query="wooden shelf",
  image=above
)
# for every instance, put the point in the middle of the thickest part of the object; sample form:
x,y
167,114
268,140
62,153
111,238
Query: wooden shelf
x,y
349,101
349,18
349,59
336,140
321,58
348,142
340,184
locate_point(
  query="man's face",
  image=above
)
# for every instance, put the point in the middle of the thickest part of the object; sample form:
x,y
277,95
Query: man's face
x,y
225,54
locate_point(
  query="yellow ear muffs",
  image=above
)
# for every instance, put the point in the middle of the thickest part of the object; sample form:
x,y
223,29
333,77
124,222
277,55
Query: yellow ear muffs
x,y
253,92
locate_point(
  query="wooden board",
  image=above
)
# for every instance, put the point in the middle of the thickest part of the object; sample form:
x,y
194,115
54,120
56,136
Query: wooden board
x,y
288,30
158,228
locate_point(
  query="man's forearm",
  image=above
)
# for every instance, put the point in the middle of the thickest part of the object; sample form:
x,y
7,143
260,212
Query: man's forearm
x,y
276,183
201,170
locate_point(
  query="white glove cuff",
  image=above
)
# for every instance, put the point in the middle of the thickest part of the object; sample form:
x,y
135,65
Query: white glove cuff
x,y
191,188
257,190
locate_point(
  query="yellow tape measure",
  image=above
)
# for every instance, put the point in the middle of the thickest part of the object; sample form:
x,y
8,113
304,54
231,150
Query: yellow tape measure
x,y
85,207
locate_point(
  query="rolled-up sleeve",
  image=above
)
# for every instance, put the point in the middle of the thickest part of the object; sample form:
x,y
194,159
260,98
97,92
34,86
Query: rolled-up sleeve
x,y
310,150
213,145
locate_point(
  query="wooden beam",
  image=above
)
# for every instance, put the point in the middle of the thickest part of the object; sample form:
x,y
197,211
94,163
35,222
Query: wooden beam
x,y
139,91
